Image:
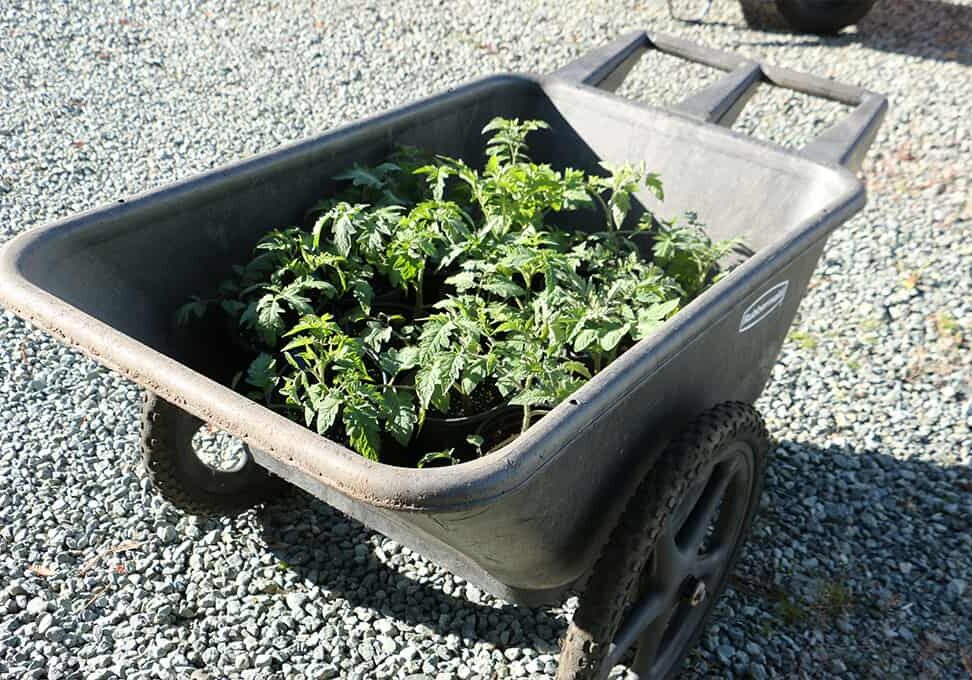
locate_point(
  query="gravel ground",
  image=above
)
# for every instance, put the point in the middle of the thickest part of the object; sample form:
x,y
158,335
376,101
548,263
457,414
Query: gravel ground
x,y
861,559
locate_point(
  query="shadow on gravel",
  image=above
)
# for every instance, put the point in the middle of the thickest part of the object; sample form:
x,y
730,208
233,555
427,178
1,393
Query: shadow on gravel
x,y
344,557
929,29
859,561
858,564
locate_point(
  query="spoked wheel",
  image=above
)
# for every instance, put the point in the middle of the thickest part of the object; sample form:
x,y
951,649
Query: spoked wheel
x,y
671,554
199,471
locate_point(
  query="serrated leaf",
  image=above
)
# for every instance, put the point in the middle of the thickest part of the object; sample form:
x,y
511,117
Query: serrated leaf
x,y
398,409
437,457
408,357
269,318
473,374
299,342
653,182
234,308
610,336
376,335
585,339
327,411
362,177
262,372
294,297
426,383
504,289
531,397
660,310
187,312
364,432
577,367
462,281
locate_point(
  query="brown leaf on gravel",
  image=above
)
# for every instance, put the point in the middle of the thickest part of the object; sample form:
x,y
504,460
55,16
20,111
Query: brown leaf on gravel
x,y
40,570
966,661
113,550
127,545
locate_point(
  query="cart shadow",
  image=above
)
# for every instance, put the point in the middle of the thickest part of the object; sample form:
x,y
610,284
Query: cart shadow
x,y
830,567
840,565
929,29
345,559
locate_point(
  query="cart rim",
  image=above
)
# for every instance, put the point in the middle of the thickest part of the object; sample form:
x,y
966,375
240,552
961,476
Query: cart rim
x,y
689,565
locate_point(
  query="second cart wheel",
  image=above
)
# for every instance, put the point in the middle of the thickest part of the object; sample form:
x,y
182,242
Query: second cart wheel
x,y
206,484
763,15
669,557
823,17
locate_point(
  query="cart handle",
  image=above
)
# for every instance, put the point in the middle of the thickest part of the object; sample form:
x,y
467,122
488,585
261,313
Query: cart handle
x,y
845,143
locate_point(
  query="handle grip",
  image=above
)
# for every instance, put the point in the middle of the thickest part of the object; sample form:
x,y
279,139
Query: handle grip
x,y
845,143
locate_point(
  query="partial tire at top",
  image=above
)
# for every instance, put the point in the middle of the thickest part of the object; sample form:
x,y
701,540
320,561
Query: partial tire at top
x,y
196,484
669,557
822,17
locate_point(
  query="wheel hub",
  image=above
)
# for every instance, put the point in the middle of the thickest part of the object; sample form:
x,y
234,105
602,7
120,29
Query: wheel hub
x,y
695,591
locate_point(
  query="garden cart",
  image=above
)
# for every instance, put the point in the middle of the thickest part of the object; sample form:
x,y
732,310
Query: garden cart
x,y
638,490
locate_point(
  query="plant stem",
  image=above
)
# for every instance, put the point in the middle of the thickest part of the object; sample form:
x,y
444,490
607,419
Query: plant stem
x,y
605,208
419,285
525,423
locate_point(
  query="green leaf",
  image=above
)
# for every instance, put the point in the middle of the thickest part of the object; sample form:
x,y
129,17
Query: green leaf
x,y
363,177
585,339
195,309
234,308
504,289
531,397
612,335
433,457
398,409
653,182
462,281
577,367
660,311
473,374
262,372
363,293
327,411
427,381
294,297
393,361
376,335
269,322
364,432
300,342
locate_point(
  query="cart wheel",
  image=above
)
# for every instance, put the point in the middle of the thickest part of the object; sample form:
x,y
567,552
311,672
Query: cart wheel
x,y
823,17
186,480
671,553
763,14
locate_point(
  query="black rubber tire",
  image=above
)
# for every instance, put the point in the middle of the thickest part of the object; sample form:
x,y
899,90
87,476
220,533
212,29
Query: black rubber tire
x,y
763,15
613,580
823,17
178,474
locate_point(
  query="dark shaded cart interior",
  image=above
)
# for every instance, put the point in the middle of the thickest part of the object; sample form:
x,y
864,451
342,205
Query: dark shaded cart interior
x,y
528,522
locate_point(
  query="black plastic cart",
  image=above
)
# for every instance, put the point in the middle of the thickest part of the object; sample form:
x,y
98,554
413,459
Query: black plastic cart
x,y
638,490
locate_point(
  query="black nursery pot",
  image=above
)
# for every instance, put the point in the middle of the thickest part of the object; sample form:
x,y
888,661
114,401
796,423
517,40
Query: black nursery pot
x,y
503,425
438,434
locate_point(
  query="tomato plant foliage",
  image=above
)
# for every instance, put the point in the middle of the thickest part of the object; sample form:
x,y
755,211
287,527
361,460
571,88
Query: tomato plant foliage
x,y
427,288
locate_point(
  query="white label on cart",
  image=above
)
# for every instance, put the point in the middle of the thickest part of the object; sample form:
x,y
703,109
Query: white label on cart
x,y
764,306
